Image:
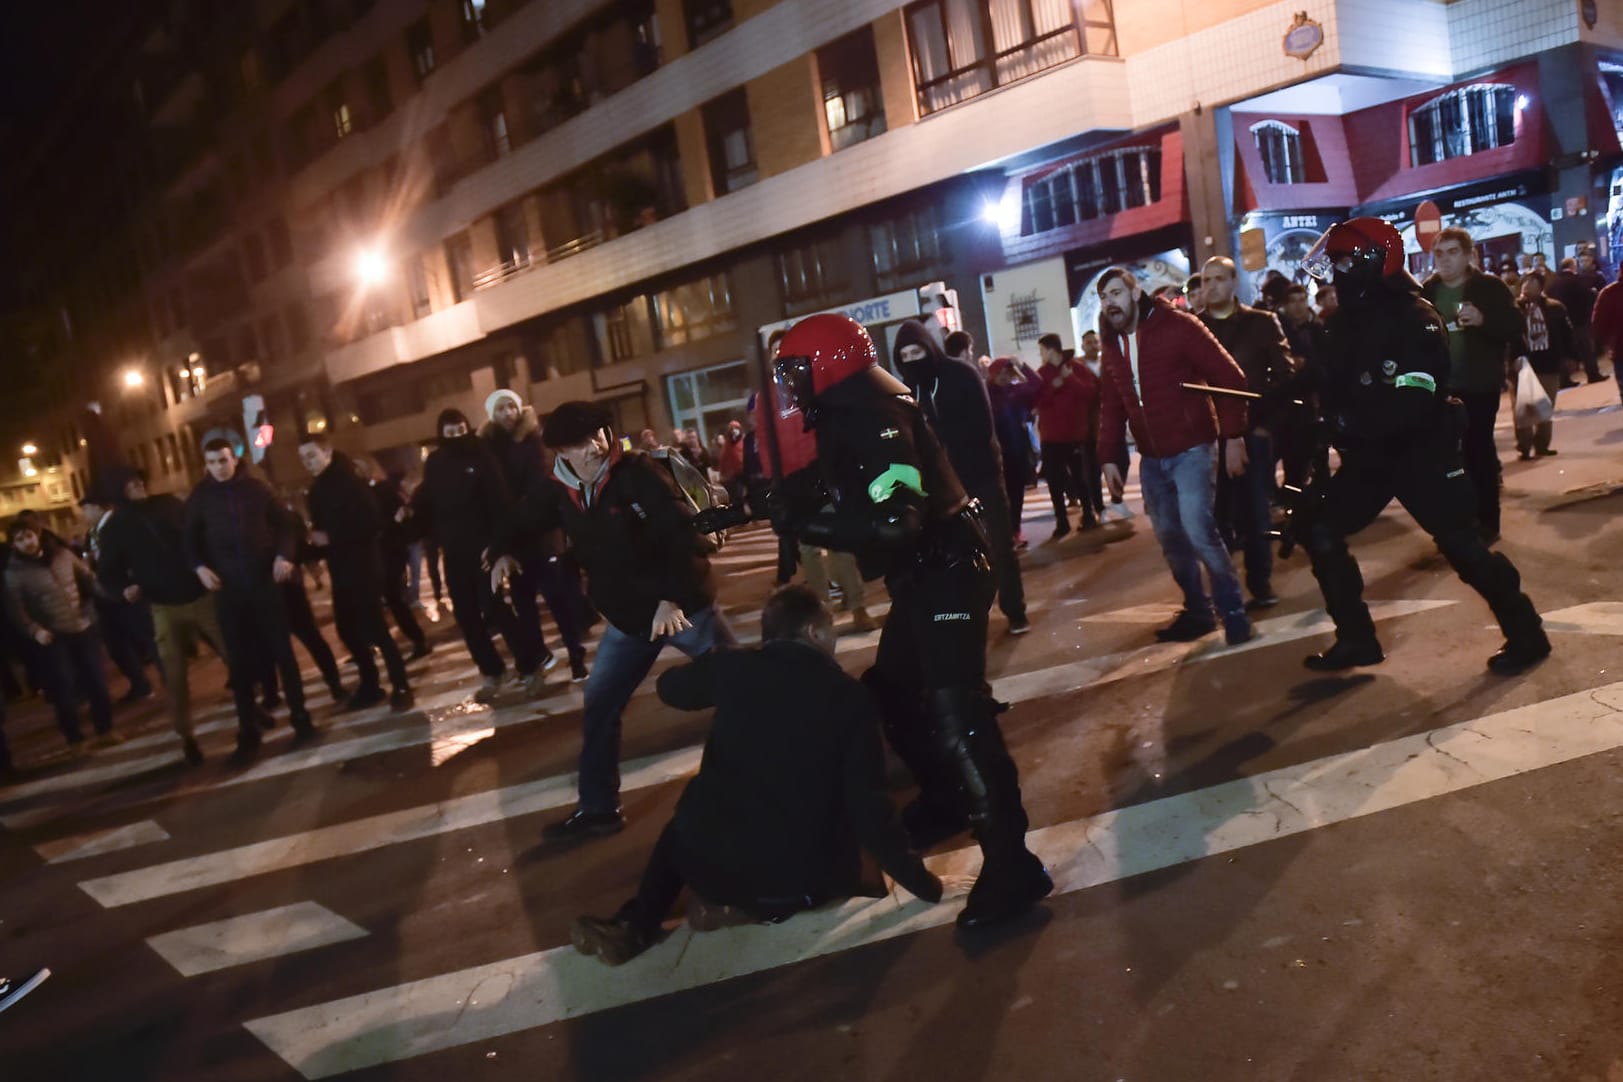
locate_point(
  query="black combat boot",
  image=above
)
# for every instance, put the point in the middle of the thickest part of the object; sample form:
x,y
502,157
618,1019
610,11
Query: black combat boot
x,y
1346,654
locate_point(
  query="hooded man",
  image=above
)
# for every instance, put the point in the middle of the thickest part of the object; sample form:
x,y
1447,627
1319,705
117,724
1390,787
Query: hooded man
x,y
346,528
954,400
464,504
648,576
241,543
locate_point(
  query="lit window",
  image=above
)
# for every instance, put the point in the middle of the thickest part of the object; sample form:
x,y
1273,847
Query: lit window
x,y
1462,121
1087,188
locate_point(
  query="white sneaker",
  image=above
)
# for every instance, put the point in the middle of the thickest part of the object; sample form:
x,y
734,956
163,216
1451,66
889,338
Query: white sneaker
x,y
1118,511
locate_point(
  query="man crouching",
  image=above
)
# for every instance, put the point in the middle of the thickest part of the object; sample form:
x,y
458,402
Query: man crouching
x,y
790,790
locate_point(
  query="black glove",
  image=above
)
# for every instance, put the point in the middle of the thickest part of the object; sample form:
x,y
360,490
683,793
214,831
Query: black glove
x,y
720,519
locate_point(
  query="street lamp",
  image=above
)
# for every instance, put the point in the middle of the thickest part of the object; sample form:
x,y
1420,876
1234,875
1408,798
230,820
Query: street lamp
x,y
133,379
30,450
370,267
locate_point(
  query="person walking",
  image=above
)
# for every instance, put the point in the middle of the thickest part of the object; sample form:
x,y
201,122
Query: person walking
x,y
1012,388
45,586
1065,404
241,543
1484,328
395,552
463,503
1152,350
143,559
1551,345
955,403
347,528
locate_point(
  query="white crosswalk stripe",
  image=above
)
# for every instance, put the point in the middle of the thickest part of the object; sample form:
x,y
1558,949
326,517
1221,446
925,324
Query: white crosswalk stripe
x,y
537,989
346,839
252,937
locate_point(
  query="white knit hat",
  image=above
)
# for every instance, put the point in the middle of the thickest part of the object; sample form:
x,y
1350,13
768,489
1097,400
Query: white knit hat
x,y
497,396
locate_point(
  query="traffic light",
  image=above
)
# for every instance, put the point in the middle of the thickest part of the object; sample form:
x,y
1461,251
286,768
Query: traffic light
x,y
257,424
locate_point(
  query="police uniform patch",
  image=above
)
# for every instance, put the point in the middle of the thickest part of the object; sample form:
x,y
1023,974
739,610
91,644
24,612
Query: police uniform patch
x,y
1365,378
1389,367
889,434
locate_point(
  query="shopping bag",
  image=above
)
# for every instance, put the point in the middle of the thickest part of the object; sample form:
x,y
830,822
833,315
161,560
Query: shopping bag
x,y
1533,406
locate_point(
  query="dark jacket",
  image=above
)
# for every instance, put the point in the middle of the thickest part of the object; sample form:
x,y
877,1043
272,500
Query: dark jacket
x,y
633,533
519,453
44,591
953,397
344,508
143,543
1173,348
393,538
238,528
792,785
1481,368
1257,343
1011,412
463,500
1576,293
1548,355
1382,382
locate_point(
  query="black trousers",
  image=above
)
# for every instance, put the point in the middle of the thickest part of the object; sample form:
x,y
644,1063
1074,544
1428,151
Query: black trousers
x,y
394,597
929,677
359,616
1481,457
1015,474
995,520
557,579
477,610
1063,469
1430,483
127,633
300,622
254,623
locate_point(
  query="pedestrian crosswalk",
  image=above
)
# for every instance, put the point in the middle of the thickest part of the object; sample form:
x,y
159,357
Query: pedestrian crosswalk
x,y
257,893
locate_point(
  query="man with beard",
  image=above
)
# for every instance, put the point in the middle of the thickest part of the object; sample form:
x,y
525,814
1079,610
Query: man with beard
x,y
346,529
883,489
1382,389
464,504
1152,350
950,392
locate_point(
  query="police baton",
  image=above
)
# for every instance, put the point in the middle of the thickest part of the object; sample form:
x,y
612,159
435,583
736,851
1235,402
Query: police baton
x,y
1221,392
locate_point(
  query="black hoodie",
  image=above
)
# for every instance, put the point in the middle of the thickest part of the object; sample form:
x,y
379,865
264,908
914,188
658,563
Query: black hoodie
x,y
463,501
343,507
953,397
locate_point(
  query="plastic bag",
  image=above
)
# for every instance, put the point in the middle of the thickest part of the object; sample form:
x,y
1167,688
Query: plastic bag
x,y
1533,405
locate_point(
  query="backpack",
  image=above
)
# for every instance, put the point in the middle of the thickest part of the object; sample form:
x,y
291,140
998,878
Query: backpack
x,y
697,491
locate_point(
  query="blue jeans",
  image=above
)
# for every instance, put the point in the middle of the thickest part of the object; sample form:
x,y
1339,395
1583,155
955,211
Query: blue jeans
x,y
622,662
1180,492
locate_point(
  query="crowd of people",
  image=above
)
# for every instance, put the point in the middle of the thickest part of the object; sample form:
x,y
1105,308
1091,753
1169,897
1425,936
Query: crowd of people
x,y
917,481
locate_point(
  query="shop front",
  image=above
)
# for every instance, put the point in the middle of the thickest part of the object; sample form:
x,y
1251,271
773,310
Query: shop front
x,y
1508,218
882,316
1159,259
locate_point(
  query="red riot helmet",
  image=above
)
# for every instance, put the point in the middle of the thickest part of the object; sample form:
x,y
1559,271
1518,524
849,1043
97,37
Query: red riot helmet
x,y
1359,251
818,353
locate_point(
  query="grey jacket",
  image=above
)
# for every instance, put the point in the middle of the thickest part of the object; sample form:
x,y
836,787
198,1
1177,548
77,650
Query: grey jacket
x,y
44,592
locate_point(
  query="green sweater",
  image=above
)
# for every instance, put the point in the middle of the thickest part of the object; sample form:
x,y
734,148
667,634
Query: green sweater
x,y
1479,353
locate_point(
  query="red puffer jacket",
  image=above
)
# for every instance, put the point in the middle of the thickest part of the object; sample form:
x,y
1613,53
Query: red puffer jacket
x,y
1066,406
1173,348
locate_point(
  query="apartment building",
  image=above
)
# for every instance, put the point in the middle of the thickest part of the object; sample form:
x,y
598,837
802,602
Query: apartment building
x,y
374,209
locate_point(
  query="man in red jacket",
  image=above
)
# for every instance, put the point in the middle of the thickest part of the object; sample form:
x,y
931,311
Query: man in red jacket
x,y
1150,350
1606,327
1066,397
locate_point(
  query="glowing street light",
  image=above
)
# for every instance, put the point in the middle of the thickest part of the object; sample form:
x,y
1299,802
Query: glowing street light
x,y
133,379
370,267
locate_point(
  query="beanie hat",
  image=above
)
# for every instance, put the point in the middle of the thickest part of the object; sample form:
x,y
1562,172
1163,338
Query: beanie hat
x,y
450,417
574,422
497,396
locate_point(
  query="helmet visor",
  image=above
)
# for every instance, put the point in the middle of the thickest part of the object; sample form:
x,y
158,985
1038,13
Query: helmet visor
x,y
792,378
1317,262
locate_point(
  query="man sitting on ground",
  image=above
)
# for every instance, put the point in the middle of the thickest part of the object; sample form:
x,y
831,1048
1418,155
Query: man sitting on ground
x,y
790,790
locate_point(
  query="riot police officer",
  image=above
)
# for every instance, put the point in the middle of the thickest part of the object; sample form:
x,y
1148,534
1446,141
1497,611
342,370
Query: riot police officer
x,y
882,488
1381,391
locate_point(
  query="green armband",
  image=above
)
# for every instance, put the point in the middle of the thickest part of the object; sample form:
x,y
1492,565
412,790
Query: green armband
x,y
896,475
1416,379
